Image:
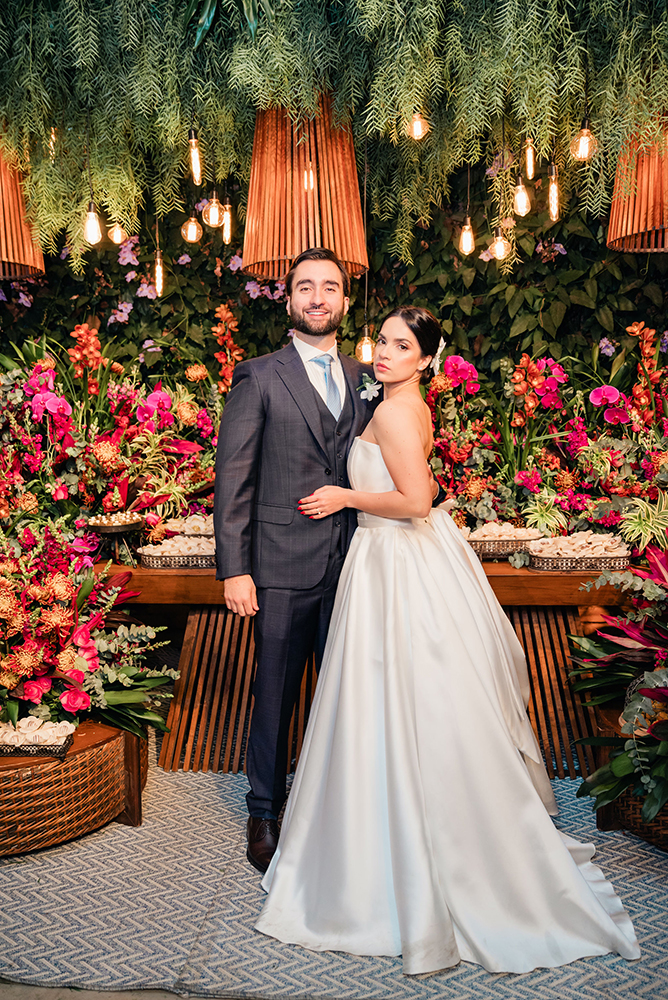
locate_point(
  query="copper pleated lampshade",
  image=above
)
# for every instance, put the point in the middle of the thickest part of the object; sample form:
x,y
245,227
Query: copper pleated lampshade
x,y
639,212
20,256
303,193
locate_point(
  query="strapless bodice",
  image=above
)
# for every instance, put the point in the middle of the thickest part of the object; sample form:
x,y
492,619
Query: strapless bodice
x,y
368,473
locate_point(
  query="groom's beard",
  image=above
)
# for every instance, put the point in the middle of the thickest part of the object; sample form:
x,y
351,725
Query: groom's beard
x,y
302,322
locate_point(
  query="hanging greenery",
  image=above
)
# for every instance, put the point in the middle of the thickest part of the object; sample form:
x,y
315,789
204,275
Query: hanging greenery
x,y
138,75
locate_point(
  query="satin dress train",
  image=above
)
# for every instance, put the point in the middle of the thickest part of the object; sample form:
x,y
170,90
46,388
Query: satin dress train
x,y
418,822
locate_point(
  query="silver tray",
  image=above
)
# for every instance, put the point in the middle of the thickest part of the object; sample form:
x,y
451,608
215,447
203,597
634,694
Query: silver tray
x,y
582,564
190,561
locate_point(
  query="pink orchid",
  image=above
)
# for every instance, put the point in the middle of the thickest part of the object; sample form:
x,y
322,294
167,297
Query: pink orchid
x,y
603,394
551,400
615,415
557,371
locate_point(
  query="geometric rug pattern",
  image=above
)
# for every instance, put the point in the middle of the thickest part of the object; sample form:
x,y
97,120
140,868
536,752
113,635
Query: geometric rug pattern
x,y
171,905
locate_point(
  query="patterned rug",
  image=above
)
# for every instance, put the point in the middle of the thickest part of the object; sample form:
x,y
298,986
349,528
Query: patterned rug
x,y
171,905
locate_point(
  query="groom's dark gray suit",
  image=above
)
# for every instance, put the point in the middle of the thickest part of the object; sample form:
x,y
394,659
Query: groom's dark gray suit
x,y
277,443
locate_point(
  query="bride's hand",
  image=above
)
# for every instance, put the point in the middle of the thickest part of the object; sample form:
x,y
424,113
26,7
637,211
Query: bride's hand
x,y
325,501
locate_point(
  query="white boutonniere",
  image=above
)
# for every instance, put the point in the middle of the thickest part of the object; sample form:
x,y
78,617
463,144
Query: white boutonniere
x,y
368,389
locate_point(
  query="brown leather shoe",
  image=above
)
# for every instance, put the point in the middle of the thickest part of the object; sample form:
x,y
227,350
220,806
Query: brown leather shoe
x,y
262,837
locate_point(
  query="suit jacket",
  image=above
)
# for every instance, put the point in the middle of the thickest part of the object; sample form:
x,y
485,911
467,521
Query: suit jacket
x,y
272,452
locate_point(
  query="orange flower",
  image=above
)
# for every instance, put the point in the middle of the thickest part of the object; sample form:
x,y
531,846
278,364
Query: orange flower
x,y
67,658
56,619
226,316
440,383
530,403
62,588
519,420
108,455
196,373
520,388
27,501
566,481
187,413
8,679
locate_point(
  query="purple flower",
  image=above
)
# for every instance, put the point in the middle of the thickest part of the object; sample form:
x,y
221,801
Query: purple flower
x,y
487,255
130,275
280,291
663,343
291,333
3,297
126,253
501,161
184,259
253,289
235,262
121,313
201,205
607,347
560,248
65,252
149,345
146,290
25,299
267,292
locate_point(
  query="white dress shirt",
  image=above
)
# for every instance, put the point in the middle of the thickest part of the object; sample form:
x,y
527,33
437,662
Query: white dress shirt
x,y
316,373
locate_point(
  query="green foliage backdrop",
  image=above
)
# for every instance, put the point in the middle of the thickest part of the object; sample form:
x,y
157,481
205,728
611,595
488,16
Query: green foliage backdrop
x,y
127,74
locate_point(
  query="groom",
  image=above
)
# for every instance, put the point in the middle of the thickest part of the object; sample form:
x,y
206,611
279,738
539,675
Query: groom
x,y
288,424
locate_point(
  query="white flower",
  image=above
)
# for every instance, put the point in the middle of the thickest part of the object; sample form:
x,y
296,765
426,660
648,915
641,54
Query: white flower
x,y
370,390
28,725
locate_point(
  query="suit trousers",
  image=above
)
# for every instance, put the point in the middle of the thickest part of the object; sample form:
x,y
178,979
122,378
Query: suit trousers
x,y
290,625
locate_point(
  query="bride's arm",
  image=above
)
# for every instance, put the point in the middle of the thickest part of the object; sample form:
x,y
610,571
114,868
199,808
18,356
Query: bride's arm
x,y
397,431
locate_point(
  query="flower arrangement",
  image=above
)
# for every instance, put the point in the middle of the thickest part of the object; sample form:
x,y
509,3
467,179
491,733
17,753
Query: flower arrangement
x,y
535,453
627,661
83,435
58,657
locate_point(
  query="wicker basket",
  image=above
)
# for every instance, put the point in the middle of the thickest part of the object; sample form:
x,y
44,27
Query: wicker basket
x,y
45,802
498,548
628,809
57,750
579,564
192,561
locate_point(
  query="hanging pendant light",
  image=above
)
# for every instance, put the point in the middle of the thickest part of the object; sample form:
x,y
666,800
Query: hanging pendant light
x,y
158,269
191,229
20,256
213,213
529,159
283,218
467,236
117,234
521,199
418,127
195,158
227,221
365,347
639,212
500,246
585,145
553,191
92,230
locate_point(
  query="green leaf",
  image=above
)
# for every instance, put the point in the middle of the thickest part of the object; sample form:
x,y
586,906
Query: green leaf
x,y
654,294
206,19
510,292
581,298
250,13
128,696
591,288
618,362
12,710
622,765
557,311
655,801
466,304
515,303
605,318
85,590
467,275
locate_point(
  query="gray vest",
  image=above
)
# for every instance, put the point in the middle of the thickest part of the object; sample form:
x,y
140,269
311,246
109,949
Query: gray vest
x,y
337,439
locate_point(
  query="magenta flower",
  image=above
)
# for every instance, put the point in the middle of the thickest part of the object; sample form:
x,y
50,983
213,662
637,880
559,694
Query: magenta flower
x,y
551,400
603,394
556,371
616,415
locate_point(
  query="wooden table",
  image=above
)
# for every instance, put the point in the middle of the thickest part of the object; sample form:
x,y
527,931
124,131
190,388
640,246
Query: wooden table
x,y
513,587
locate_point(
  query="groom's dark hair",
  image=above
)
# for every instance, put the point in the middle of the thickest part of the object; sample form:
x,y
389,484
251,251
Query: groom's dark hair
x,y
317,253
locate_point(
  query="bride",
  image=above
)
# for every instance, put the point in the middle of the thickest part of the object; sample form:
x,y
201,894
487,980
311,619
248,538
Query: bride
x,y
418,822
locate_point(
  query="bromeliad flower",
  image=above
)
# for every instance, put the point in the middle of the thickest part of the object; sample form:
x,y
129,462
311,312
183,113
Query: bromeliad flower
x,y
368,389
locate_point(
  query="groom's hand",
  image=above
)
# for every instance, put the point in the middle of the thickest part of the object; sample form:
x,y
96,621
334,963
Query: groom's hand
x,y
240,595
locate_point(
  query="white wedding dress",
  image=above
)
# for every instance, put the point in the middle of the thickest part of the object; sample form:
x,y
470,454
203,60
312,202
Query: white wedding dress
x,y
418,819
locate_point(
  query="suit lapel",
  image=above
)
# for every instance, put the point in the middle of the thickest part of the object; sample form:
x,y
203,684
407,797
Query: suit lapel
x,y
353,374
291,371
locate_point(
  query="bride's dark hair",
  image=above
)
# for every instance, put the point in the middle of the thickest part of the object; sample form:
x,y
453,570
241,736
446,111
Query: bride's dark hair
x,y
425,328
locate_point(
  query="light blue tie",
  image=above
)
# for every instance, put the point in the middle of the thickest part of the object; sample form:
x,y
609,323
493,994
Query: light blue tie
x,y
333,399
